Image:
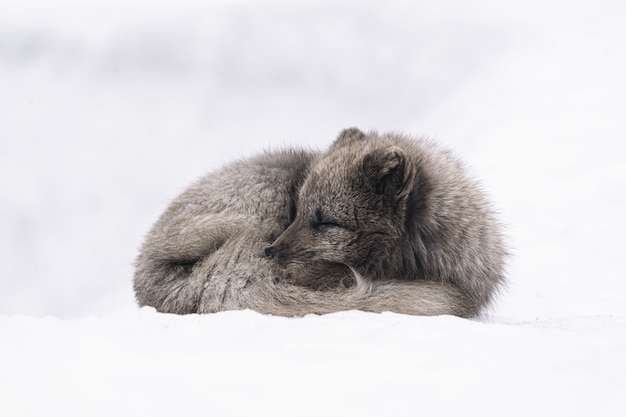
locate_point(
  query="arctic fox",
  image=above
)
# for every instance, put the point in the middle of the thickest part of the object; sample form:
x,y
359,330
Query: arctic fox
x,y
377,223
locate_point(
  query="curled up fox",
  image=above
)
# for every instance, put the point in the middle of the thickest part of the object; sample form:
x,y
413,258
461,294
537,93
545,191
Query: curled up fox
x,y
378,222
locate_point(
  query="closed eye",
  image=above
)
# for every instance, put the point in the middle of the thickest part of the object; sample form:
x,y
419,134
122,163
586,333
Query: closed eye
x,y
324,223
321,221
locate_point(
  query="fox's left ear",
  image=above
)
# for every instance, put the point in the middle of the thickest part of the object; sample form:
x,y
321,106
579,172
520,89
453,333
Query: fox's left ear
x,y
348,136
387,171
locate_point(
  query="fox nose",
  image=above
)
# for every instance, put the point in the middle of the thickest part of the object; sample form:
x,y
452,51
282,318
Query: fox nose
x,y
270,251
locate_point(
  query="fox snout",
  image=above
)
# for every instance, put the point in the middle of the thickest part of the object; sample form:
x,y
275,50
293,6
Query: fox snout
x,y
270,251
282,248
278,250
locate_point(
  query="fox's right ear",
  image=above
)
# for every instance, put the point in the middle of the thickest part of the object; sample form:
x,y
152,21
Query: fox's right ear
x,y
348,136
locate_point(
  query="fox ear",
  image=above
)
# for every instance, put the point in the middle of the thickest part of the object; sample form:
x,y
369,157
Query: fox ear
x,y
387,172
348,136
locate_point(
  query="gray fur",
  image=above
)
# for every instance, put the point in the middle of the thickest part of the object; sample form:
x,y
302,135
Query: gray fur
x,y
377,223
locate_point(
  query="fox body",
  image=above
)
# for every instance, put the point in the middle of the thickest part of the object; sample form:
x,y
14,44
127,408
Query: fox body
x,y
376,223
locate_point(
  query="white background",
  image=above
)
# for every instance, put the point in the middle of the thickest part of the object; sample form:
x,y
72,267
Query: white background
x,y
108,110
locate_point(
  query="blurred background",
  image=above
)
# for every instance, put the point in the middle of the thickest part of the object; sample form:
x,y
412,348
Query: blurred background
x,y
108,110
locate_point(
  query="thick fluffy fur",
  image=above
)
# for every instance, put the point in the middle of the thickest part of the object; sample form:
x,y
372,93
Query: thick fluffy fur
x,y
378,223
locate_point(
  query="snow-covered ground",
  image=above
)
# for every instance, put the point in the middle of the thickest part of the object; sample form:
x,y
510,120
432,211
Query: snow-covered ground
x,y
109,109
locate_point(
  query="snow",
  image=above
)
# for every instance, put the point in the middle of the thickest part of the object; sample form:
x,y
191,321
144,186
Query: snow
x,y
244,363
109,109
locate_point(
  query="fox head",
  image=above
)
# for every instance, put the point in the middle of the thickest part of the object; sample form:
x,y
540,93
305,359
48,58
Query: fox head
x,y
351,206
